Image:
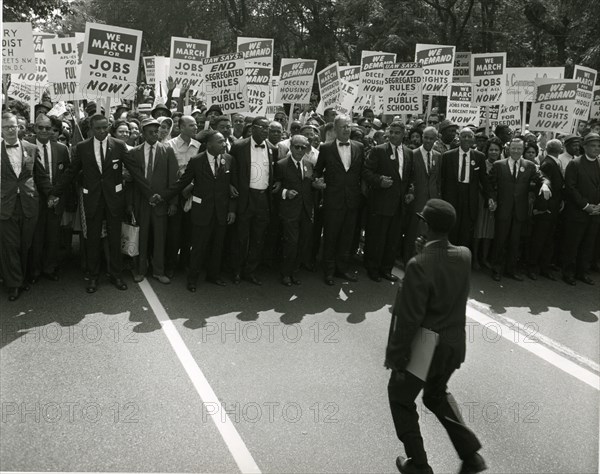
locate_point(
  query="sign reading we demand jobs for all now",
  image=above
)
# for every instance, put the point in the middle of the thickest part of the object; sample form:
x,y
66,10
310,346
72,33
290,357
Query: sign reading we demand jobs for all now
x,y
187,56
110,62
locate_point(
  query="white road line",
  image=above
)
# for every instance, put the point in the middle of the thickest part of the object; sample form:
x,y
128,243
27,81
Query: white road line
x,y
232,439
537,349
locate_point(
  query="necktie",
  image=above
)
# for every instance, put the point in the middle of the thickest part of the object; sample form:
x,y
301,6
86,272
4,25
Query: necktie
x,y
16,145
345,144
216,165
46,163
102,153
396,152
463,171
515,170
150,163
260,146
428,161
299,170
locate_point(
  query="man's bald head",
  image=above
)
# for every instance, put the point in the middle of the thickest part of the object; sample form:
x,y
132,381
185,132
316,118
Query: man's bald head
x,y
554,147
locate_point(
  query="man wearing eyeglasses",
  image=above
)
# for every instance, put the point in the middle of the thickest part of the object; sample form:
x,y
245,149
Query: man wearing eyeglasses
x,y
23,176
253,183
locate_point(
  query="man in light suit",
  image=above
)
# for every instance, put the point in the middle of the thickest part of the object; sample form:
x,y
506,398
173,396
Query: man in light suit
x,y
160,168
388,170
433,295
295,174
212,207
339,169
100,159
46,241
253,183
463,177
426,183
23,179
512,179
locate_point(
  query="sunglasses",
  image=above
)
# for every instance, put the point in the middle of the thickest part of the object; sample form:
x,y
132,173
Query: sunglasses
x,y
300,147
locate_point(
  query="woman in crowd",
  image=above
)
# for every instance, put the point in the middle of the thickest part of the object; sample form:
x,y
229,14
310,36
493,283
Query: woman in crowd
x,y
164,131
134,132
120,130
414,139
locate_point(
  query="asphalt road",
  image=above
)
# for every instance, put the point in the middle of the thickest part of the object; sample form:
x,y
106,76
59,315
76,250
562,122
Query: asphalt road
x,y
98,383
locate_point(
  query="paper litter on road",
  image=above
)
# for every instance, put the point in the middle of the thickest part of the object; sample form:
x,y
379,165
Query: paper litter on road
x,y
293,297
144,308
342,295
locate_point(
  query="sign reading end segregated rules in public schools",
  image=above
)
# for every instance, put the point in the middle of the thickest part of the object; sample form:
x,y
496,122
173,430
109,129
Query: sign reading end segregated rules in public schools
x,y
225,82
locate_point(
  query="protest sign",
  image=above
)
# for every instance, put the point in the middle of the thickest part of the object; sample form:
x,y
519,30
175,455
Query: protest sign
x,y
64,68
257,81
350,74
329,85
186,59
489,116
510,115
461,110
111,56
349,77
372,64
38,78
586,78
402,93
595,109
462,67
256,51
161,73
296,78
520,81
17,48
438,65
488,71
225,82
149,69
553,105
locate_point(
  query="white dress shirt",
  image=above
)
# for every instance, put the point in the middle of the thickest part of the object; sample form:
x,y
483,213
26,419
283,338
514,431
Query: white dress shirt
x,y
259,166
97,144
400,157
40,148
345,154
184,151
460,163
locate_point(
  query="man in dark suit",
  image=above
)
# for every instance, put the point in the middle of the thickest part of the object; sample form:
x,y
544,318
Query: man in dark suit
x,y
512,179
46,241
212,208
463,176
433,295
160,168
339,168
23,179
426,183
388,171
582,211
545,215
253,182
295,176
100,159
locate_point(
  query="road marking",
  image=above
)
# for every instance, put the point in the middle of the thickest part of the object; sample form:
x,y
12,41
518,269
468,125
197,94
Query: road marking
x,y
537,349
232,438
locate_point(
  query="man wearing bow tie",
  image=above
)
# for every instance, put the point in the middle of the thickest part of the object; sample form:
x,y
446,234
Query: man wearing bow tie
x,y
23,178
253,183
338,171
100,160
388,170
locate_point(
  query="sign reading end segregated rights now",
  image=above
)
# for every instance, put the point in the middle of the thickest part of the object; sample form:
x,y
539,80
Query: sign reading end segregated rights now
x,y
110,62
296,78
225,82
553,105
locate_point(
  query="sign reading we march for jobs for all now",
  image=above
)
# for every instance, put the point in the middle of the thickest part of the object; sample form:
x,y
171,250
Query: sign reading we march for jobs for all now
x,y
187,55
488,72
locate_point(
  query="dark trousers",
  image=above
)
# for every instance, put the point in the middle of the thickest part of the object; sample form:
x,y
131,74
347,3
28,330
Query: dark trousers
x,y
416,227
44,254
381,242
179,236
507,239
16,235
541,248
402,394
93,245
207,238
462,231
339,229
251,228
296,242
317,228
153,237
578,246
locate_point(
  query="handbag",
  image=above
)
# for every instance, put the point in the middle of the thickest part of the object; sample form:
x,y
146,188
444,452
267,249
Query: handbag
x,y
130,238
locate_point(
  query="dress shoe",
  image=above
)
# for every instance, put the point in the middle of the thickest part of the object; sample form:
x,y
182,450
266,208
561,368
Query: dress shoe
x,y
586,279
532,275
516,276
216,281
374,276
118,283
92,285
346,276
137,277
53,276
236,279
34,279
25,286
569,280
473,464
191,287
329,280
295,280
406,466
13,293
549,274
389,276
164,279
496,275
251,277
286,281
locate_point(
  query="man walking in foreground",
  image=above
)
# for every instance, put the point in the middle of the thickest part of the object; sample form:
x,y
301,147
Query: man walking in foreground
x,y
433,295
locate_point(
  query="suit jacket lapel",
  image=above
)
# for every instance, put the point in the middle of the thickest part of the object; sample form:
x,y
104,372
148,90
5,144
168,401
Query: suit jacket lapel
x,y
6,160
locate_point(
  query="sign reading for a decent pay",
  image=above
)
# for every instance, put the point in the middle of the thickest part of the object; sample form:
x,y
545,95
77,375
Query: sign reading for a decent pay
x,y
110,62
438,66
461,110
488,72
402,88
225,82
187,55
296,78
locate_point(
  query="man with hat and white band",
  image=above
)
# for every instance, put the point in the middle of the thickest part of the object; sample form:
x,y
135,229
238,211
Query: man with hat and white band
x,y
433,295
572,147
